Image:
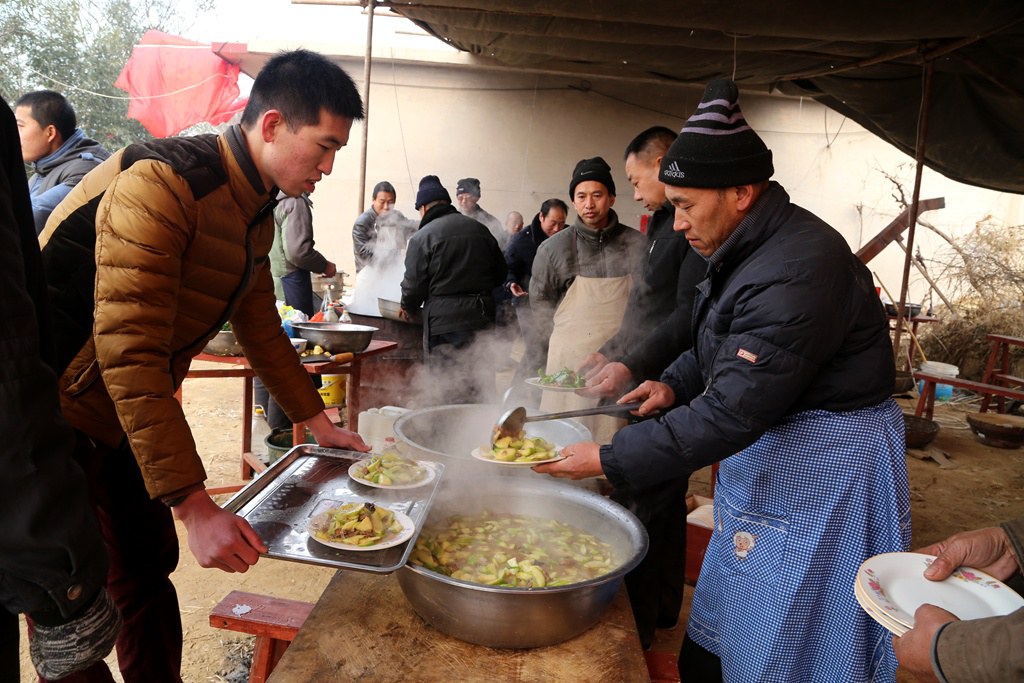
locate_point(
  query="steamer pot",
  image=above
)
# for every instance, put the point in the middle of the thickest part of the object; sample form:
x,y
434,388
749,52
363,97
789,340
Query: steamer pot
x,y
524,617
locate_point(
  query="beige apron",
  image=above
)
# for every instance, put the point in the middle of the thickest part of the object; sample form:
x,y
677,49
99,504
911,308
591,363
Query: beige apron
x,y
589,315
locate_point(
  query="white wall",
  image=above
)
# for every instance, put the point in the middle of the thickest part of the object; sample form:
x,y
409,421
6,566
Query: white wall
x,y
522,133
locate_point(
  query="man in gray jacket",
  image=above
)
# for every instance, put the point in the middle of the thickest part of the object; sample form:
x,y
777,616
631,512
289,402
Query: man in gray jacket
x,y
61,152
293,258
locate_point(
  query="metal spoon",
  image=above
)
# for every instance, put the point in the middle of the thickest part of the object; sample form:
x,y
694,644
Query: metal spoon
x,y
511,423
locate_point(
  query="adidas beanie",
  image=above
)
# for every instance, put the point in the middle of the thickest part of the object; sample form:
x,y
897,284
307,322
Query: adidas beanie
x,y
716,148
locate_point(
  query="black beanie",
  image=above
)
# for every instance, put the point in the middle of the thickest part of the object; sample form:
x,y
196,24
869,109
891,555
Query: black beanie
x,y
716,148
431,190
592,169
468,186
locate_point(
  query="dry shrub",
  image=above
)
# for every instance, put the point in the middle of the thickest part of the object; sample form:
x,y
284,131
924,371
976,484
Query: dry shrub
x,y
983,274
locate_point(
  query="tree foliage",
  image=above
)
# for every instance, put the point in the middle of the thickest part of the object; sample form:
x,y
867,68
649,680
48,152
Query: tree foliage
x,y
78,48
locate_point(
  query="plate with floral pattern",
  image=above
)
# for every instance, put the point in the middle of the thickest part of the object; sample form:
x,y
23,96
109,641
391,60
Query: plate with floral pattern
x,y
894,584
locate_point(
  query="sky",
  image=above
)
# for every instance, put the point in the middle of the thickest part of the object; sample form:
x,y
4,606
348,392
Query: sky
x,y
249,20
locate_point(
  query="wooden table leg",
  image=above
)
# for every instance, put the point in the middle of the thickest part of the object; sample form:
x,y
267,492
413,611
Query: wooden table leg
x,y
247,468
990,368
352,396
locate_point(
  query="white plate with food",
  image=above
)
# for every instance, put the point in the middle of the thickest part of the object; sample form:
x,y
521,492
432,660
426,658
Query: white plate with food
x,y
486,455
895,585
392,531
391,471
536,382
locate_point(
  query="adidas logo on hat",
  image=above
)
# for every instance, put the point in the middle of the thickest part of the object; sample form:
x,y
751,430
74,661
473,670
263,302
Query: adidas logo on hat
x,y
673,171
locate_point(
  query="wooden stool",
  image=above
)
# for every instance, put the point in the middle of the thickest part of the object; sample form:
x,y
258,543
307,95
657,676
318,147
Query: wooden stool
x,y
662,667
274,622
997,369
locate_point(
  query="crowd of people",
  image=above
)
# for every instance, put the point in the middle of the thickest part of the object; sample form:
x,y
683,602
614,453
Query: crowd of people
x,y
744,325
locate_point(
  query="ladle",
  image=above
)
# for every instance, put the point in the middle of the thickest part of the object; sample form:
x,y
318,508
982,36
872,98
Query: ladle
x,y
511,423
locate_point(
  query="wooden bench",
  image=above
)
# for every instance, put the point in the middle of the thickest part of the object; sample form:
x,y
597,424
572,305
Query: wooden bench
x,y
926,401
997,369
274,622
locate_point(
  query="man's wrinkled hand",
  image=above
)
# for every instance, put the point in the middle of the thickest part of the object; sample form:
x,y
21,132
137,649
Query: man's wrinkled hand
x,y
581,460
655,396
986,549
216,537
611,381
914,648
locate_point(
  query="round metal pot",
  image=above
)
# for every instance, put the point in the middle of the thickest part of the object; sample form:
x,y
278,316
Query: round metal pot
x,y
524,617
224,344
451,432
336,337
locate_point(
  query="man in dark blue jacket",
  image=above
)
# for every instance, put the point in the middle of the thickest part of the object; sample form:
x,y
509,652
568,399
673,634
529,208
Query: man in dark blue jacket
x,y
788,384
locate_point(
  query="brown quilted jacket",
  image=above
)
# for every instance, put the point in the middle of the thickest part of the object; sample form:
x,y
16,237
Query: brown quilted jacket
x,y
161,244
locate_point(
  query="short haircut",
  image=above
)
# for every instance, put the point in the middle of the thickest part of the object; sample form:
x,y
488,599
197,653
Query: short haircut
x,y
650,143
300,84
549,204
383,186
50,108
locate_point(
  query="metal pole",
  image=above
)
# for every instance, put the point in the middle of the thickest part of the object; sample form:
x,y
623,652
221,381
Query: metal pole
x,y
922,135
367,64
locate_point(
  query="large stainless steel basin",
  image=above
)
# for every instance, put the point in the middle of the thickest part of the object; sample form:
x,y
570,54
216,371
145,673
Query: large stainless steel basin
x,y
524,617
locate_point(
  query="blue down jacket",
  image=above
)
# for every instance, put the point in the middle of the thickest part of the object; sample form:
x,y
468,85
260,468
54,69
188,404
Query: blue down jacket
x,y
786,321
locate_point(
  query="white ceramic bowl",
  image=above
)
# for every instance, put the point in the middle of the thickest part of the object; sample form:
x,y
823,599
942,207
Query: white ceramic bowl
x,y
299,344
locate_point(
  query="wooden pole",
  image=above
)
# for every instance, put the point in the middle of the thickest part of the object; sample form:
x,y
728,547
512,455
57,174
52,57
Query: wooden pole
x,y
922,135
367,64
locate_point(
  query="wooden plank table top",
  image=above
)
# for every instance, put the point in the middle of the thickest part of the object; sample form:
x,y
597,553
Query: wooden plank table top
x,y
363,629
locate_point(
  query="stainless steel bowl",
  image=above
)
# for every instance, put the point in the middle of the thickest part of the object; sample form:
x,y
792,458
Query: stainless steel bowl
x,y
224,344
336,337
453,431
524,617
389,309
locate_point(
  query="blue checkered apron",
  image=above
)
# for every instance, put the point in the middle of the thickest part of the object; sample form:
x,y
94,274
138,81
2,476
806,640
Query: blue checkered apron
x,y
795,515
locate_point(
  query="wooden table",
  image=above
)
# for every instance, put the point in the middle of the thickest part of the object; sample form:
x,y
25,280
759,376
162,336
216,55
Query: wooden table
x,y
240,368
912,347
997,369
363,629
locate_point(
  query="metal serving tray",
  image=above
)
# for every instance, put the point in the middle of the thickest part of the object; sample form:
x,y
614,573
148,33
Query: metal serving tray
x,y
280,502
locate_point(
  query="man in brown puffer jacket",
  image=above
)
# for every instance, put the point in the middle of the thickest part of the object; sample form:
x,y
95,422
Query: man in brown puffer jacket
x,y
145,260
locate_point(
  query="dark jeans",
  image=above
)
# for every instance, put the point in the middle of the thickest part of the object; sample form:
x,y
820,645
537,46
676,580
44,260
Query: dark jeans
x,y
143,546
655,586
9,657
697,665
298,293
450,365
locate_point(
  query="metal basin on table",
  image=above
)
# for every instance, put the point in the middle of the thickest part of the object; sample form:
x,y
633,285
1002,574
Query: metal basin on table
x,y
524,617
336,337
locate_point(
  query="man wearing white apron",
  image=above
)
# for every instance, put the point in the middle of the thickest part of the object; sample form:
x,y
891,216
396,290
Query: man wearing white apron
x,y
581,281
789,385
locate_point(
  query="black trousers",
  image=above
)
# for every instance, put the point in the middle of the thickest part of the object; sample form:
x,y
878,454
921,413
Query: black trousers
x,y
697,665
9,657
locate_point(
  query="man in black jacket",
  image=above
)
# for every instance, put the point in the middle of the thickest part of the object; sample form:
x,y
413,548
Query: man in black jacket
x,y
789,385
452,266
52,560
655,330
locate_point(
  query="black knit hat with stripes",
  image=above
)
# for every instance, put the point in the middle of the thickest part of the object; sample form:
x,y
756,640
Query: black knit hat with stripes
x,y
716,147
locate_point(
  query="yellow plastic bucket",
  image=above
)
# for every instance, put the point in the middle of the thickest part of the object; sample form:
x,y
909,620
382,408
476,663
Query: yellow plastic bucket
x,y
333,390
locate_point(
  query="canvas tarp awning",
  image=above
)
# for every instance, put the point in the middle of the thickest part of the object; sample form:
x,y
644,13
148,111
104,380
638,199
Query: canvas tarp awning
x,y
863,59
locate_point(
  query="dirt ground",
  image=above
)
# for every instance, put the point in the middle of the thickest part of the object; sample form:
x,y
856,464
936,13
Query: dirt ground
x,y
985,487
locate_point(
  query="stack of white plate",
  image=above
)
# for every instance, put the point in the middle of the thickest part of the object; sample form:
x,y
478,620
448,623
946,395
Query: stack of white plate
x,y
892,586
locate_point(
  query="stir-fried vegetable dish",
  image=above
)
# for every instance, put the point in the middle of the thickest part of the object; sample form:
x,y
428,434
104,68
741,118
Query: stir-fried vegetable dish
x,y
521,449
499,549
390,469
563,378
359,524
